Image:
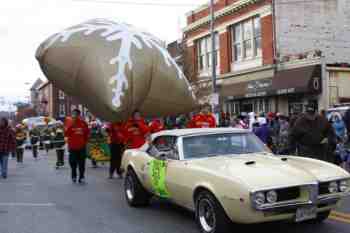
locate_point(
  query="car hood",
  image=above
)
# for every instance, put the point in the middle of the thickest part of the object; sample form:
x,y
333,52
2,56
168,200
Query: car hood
x,y
260,171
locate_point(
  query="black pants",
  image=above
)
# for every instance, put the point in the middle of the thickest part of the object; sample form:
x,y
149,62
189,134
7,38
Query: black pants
x,y
60,157
19,155
116,158
77,160
35,151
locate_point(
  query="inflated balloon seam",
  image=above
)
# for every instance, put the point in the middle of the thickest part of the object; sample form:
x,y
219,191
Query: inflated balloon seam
x,y
129,36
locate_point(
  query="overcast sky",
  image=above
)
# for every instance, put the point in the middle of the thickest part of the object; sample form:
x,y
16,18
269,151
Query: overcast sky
x,y
24,24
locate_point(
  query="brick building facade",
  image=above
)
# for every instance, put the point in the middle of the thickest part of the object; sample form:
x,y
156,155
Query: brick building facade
x,y
55,103
253,75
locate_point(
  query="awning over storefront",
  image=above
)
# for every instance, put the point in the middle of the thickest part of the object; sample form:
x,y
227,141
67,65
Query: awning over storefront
x,y
299,80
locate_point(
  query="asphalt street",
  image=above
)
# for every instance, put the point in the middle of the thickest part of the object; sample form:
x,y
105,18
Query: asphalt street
x,y
37,198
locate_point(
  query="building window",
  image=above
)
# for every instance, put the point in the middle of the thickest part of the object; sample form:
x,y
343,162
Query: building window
x,y
62,110
204,52
257,36
246,39
61,95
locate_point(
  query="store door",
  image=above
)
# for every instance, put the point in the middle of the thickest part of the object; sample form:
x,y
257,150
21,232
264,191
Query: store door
x,y
247,107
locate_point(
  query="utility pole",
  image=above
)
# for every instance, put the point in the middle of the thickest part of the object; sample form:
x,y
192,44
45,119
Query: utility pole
x,y
215,97
212,32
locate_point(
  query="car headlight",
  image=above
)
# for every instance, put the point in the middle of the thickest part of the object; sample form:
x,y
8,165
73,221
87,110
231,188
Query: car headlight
x,y
271,196
259,198
343,186
333,187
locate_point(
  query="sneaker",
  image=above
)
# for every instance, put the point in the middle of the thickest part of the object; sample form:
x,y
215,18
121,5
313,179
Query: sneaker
x,y
111,177
74,180
4,176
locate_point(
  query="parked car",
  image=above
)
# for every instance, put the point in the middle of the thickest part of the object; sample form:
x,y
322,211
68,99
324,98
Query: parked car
x,y
228,176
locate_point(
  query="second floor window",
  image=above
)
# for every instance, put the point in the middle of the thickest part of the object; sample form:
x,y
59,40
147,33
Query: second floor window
x,y
246,38
204,52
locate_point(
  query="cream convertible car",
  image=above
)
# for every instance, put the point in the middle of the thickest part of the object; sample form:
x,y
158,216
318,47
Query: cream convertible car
x,y
228,175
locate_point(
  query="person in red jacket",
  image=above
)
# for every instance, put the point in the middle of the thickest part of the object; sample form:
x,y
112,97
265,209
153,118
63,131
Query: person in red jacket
x,y
156,125
77,133
136,131
203,120
117,137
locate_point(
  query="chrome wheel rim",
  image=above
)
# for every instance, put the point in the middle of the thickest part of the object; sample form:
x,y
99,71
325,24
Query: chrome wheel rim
x,y
206,215
129,188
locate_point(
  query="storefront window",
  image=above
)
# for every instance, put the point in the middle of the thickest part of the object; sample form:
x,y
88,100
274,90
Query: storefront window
x,y
62,110
267,107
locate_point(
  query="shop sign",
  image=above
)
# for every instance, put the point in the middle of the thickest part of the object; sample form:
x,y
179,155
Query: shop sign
x,y
316,83
259,85
285,91
256,94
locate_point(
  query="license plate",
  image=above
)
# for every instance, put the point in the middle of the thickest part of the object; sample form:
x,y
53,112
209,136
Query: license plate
x,y
306,213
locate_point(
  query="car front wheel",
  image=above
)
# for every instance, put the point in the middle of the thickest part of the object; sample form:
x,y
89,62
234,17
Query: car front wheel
x,y
135,194
210,216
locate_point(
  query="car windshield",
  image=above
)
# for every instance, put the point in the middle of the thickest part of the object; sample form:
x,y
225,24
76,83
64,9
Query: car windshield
x,y
221,144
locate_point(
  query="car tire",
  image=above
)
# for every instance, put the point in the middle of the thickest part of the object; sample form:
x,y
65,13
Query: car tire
x,y
321,217
135,194
210,216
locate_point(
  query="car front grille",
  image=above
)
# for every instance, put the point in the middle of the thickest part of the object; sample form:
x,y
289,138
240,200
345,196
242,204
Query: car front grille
x,y
288,194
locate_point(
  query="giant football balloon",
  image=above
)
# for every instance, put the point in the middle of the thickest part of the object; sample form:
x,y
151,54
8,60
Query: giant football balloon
x,y
114,69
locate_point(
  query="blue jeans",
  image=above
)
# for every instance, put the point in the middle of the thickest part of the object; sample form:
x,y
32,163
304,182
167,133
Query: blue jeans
x,y
3,164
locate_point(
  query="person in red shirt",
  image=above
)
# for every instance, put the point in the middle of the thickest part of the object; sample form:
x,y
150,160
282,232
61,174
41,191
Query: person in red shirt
x,y
117,137
203,120
136,131
77,133
156,125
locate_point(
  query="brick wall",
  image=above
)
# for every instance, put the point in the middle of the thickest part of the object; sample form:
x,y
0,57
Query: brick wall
x,y
218,5
225,36
225,52
314,25
228,18
267,40
190,63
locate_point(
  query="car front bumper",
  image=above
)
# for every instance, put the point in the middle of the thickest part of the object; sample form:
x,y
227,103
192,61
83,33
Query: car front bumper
x,y
281,211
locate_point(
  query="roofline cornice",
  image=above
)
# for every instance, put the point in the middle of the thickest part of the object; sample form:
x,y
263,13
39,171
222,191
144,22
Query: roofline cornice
x,y
225,11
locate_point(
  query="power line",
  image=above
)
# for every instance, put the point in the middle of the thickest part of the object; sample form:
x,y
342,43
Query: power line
x,y
118,2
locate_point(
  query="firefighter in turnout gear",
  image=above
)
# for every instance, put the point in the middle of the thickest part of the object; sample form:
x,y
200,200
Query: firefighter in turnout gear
x,y
34,135
59,144
46,139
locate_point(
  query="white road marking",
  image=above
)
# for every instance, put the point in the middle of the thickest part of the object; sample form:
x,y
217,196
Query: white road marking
x,y
18,204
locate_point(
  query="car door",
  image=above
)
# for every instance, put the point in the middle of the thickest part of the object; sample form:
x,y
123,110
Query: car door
x,y
161,172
